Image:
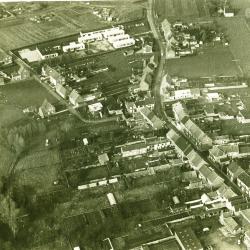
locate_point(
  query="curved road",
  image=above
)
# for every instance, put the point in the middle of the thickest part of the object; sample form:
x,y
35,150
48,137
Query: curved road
x,y
70,108
159,107
162,55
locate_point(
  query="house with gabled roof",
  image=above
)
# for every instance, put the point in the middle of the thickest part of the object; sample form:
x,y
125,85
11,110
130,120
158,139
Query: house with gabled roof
x,y
199,138
46,109
210,176
234,170
180,111
148,102
54,76
75,98
225,192
134,149
244,116
243,181
130,106
223,153
60,90
154,121
181,145
231,225
195,160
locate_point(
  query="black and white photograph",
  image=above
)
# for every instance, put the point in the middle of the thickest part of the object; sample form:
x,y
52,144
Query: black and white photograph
x,y
125,125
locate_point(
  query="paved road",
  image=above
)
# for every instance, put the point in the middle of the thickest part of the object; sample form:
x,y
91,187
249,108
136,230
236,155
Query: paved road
x,y
159,107
162,55
70,108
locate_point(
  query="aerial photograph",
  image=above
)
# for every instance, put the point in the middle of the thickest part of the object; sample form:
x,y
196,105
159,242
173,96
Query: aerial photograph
x,y
125,125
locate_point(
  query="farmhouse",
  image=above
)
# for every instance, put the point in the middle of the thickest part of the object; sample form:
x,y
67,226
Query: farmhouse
x,y
60,90
54,76
95,107
46,109
75,98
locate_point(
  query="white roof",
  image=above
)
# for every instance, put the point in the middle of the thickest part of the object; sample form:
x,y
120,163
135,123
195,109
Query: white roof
x,y
93,184
95,107
30,55
114,180
101,183
214,95
77,248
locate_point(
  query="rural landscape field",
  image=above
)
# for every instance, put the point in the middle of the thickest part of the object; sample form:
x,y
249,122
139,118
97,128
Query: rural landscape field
x,y
125,125
214,61
182,9
21,31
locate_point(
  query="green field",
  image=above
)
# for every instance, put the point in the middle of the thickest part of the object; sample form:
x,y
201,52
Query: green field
x,y
238,32
25,93
9,114
181,9
240,6
20,31
214,61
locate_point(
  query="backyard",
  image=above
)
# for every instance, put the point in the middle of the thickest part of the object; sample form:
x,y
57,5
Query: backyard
x,y
211,61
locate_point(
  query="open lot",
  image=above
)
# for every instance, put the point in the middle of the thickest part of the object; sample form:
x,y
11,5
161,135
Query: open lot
x,y
40,178
181,9
6,158
39,159
26,93
240,6
9,114
233,127
239,37
213,61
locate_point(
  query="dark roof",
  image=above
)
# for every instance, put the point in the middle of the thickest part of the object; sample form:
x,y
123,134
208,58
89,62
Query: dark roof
x,y
245,178
183,145
235,169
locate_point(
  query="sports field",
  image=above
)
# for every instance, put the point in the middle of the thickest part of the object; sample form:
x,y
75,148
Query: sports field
x,y
214,61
